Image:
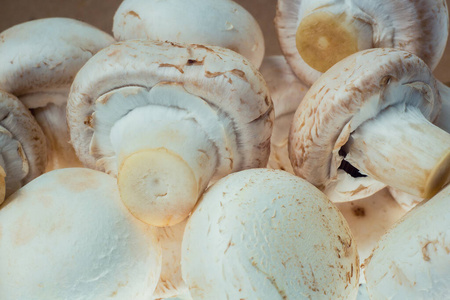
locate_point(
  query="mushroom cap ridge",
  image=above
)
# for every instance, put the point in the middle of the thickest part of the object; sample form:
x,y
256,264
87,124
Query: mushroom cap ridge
x,y
26,130
343,98
223,78
67,235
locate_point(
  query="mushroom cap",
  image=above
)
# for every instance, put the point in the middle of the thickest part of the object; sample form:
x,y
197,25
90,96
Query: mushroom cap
x,y
369,219
17,120
411,261
222,78
419,27
44,55
222,23
344,97
287,91
67,235
267,234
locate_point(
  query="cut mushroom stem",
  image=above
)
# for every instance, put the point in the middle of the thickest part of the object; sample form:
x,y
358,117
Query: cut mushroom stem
x,y
2,184
166,155
403,149
323,38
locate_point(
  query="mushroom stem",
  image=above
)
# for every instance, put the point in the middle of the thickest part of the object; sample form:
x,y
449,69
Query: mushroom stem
x,y
324,37
403,149
2,184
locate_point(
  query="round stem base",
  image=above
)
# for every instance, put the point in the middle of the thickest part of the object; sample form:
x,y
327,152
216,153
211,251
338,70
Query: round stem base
x,y
157,186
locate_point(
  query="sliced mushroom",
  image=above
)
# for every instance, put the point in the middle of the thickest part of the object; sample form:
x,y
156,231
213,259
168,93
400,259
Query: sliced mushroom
x,y
39,60
267,234
361,128
412,260
23,150
66,235
167,118
369,219
221,23
286,92
316,34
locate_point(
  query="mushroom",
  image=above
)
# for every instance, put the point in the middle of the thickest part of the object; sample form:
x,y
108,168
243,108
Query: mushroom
x,y
23,148
222,23
369,219
39,60
170,282
361,128
316,34
67,235
167,118
267,234
412,261
287,92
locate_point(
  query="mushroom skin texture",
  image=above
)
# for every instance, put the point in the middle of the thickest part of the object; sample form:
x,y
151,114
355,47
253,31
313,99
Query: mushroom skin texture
x,y
411,261
39,60
267,234
67,235
23,149
222,23
369,219
286,92
166,119
316,34
334,117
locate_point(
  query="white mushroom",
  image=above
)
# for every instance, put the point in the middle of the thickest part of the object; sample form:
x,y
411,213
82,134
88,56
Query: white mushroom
x,y
267,234
67,235
361,128
39,60
412,261
286,92
167,118
316,34
222,23
23,150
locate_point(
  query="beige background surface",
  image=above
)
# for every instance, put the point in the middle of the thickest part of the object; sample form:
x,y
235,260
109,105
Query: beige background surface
x,y
100,14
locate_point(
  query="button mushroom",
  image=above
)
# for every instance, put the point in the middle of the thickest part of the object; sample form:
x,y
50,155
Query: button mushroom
x,y
267,234
67,235
39,60
221,23
23,152
166,118
286,92
360,128
412,260
316,34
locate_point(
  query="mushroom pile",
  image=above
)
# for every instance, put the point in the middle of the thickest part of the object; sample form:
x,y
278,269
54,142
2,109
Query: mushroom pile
x,y
173,159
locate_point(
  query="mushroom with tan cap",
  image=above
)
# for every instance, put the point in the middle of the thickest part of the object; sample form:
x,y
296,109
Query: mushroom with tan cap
x,y
23,149
412,261
286,92
167,118
222,23
361,128
39,60
267,234
67,235
316,34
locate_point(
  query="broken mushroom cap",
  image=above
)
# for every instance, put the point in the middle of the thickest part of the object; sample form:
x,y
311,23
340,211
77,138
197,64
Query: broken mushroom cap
x,y
369,219
67,235
267,234
167,118
411,260
286,92
222,23
39,61
359,128
23,150
316,34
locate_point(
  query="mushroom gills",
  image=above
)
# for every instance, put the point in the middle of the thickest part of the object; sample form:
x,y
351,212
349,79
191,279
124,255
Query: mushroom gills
x,y
166,154
400,147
